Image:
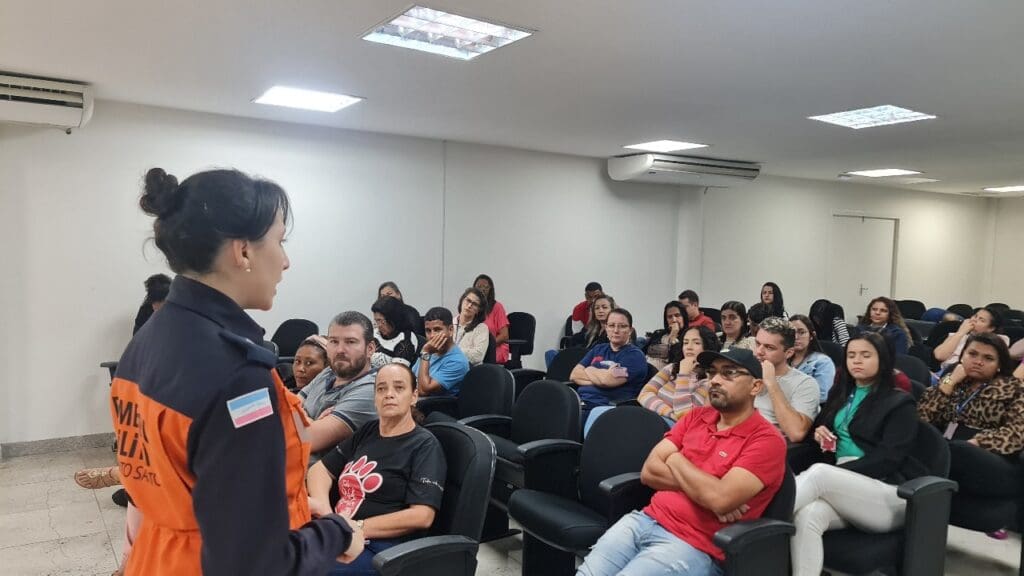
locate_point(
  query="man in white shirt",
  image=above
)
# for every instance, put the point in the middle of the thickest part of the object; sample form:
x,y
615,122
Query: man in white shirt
x,y
789,398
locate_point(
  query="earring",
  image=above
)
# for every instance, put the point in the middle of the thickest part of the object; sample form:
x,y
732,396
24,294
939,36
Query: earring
x,y
248,269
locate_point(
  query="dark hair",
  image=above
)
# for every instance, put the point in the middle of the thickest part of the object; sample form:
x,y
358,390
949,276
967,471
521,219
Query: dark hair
x,y
884,381
317,346
778,307
393,312
708,341
157,288
782,327
591,286
757,313
674,304
741,311
438,313
689,295
996,313
822,314
1006,364
195,218
624,312
393,286
491,298
351,318
480,314
1000,306
895,317
813,345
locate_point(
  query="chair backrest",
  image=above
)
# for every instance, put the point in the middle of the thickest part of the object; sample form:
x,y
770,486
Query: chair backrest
x,y
1014,333
781,505
618,442
651,371
939,333
563,363
522,326
469,455
713,313
835,352
491,355
932,450
1015,316
911,309
546,409
917,389
961,310
486,389
913,367
922,329
291,333
567,328
272,346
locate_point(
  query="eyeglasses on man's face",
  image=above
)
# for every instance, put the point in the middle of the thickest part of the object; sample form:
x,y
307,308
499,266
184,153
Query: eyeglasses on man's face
x,y
728,373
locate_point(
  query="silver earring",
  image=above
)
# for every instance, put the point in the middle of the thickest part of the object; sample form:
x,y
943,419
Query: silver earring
x,y
248,269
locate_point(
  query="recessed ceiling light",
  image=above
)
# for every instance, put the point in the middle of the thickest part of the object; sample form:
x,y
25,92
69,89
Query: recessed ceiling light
x,y
883,172
871,117
1006,189
438,32
665,146
918,180
306,99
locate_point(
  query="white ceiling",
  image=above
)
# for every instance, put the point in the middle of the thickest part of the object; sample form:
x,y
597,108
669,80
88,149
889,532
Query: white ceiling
x,y
741,76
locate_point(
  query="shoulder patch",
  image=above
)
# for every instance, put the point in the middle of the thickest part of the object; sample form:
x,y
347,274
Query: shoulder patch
x,y
253,351
248,408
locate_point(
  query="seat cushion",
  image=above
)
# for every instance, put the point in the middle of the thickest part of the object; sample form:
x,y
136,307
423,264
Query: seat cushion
x,y
564,524
856,552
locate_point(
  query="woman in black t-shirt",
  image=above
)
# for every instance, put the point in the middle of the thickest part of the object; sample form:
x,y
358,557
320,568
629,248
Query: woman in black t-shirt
x,y
389,474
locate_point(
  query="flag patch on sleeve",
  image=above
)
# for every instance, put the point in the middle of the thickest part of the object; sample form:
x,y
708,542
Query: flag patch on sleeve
x,y
250,407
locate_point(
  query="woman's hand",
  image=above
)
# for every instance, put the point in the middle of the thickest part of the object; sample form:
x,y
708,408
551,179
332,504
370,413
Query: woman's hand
x,y
686,365
966,327
825,439
319,508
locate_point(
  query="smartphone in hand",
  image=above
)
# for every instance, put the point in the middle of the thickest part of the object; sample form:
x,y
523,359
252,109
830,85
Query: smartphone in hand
x,y
828,444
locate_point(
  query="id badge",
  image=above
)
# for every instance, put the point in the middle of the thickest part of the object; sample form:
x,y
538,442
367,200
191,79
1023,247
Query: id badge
x,y
950,430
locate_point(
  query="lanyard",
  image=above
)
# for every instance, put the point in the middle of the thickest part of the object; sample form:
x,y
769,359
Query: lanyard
x,y
960,407
845,424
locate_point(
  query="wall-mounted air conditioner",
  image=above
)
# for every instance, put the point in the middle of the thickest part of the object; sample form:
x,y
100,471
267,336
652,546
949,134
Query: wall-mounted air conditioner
x,y
681,170
44,102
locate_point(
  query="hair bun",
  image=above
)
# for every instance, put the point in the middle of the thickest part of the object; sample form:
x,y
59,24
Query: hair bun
x,y
162,195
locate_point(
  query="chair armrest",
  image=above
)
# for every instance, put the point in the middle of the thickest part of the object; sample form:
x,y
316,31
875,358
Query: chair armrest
x,y
490,424
516,342
624,493
551,466
109,364
755,547
455,555
446,404
929,499
626,402
285,359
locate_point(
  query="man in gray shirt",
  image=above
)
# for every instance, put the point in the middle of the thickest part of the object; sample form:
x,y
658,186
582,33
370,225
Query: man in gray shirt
x,y
790,397
340,399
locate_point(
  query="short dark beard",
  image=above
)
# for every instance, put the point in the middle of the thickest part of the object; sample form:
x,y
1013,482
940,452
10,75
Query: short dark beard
x,y
357,366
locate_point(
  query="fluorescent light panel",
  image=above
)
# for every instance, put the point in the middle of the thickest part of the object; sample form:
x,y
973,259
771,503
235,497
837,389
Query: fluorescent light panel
x,y
665,146
438,32
871,117
306,99
883,172
1006,189
918,180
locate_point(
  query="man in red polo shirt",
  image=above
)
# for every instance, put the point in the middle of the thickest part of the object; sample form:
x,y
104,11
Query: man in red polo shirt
x,y
581,312
718,464
691,305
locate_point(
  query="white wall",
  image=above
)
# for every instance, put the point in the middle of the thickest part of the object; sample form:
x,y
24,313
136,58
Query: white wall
x,y
778,229
1007,280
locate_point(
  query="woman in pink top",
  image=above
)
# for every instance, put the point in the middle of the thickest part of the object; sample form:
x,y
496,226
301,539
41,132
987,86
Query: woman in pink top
x,y
497,320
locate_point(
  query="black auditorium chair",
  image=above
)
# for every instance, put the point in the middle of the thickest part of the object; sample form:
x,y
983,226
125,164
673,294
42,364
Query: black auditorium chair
x,y
575,492
917,549
1014,333
547,410
290,334
962,310
913,367
486,389
713,313
522,327
490,356
922,327
835,352
761,547
451,546
911,309
1014,317
559,370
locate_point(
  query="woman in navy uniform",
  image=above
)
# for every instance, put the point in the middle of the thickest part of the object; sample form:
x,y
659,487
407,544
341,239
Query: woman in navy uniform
x,y
211,447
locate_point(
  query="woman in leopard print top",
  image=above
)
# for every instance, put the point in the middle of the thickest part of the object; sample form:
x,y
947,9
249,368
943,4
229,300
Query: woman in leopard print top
x,y
980,407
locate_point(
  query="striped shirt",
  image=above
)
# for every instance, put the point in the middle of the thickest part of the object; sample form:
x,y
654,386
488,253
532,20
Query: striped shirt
x,y
673,398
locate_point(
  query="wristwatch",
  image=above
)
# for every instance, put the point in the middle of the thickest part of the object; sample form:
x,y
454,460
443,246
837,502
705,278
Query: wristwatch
x,y
359,524
425,356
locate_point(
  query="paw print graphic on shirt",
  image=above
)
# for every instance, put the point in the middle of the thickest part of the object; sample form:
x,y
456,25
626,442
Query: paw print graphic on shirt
x,y
356,481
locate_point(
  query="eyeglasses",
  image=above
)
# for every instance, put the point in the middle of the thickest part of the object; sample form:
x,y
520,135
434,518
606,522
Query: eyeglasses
x,y
728,373
619,326
472,303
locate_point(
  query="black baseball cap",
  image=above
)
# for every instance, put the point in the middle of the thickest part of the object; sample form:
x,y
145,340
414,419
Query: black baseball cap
x,y
739,356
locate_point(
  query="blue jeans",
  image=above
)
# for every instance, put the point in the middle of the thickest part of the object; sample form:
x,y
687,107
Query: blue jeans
x,y
638,546
363,564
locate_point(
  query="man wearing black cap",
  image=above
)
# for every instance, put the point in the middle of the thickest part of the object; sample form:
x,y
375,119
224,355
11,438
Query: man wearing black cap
x,y
719,464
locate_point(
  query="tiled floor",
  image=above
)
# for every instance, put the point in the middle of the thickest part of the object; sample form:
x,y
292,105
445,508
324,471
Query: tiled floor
x,y
50,526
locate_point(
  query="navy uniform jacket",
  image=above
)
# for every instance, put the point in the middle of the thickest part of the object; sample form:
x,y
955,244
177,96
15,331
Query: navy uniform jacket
x,y
213,449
